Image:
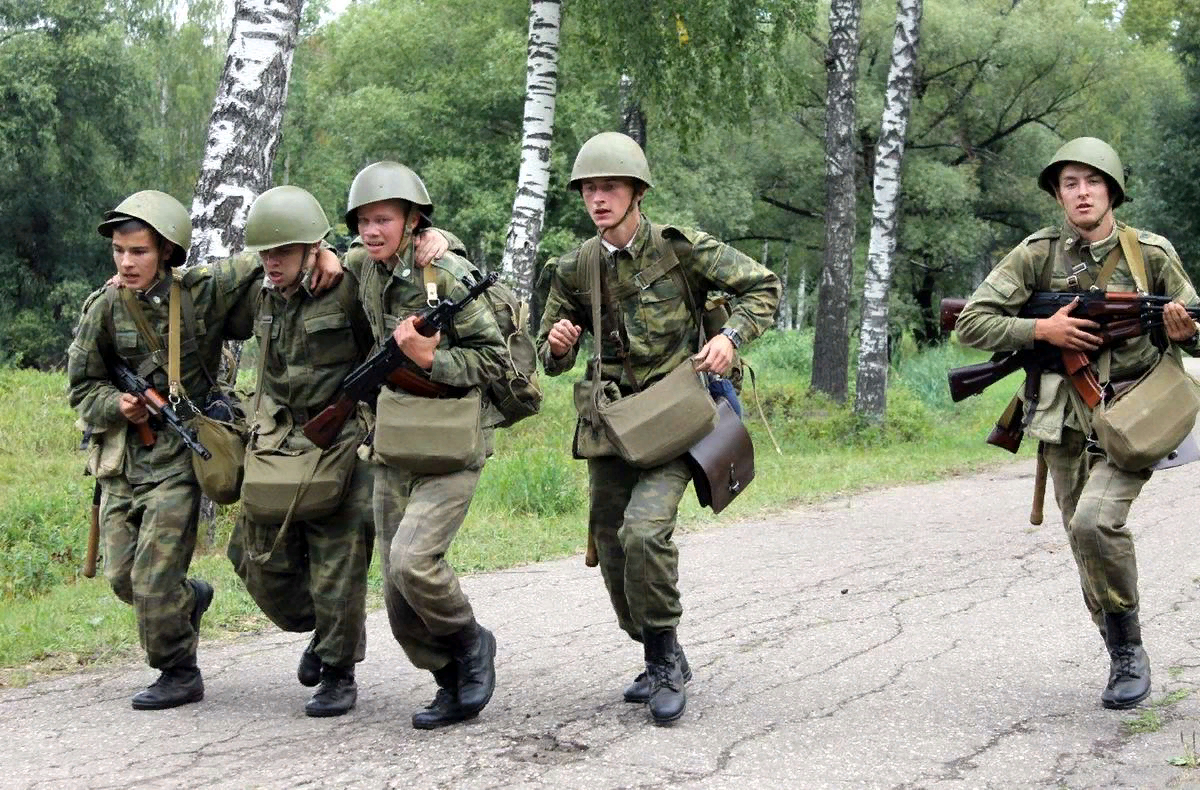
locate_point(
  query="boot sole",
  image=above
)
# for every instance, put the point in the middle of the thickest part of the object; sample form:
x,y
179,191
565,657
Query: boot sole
x,y
1123,705
444,722
326,713
190,698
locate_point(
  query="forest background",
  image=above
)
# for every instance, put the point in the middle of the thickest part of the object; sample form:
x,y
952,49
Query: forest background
x,y
735,105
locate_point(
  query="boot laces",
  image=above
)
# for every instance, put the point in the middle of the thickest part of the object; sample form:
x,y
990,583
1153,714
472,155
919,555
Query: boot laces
x,y
442,700
1124,662
661,675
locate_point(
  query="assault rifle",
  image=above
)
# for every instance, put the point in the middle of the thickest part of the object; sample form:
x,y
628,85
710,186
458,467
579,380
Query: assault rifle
x,y
128,381
1121,316
390,365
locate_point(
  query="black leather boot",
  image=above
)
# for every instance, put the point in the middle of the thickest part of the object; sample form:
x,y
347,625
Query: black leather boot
x,y
1129,675
204,595
337,694
475,654
175,686
667,697
445,708
308,672
639,689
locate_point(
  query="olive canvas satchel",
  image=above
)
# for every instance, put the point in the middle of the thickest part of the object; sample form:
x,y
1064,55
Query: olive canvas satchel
x,y
1147,420
657,424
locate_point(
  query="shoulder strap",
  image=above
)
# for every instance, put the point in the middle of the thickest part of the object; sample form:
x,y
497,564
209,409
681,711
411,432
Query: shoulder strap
x,y
429,276
173,339
139,319
265,315
1133,256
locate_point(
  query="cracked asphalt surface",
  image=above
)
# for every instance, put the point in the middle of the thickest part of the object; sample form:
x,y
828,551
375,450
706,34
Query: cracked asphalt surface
x,y
916,637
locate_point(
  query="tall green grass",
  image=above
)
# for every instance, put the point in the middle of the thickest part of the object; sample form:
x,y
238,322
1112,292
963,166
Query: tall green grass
x,y
531,503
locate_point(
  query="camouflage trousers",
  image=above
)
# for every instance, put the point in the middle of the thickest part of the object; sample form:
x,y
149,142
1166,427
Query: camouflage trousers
x,y
149,533
416,518
317,577
1094,497
632,518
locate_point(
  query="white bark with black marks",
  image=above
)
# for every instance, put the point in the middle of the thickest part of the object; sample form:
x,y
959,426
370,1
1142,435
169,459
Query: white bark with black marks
x,y
831,339
243,132
533,178
870,399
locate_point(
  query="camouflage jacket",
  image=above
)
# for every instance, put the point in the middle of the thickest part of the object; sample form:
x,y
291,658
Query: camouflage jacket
x,y
315,340
989,321
658,317
222,296
471,354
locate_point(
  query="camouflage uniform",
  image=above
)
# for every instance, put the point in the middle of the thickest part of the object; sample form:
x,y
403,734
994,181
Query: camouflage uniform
x,y
632,511
317,578
1093,494
150,507
416,515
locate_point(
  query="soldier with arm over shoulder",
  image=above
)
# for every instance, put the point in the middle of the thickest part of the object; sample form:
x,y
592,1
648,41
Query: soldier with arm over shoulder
x,y
1093,493
426,477
657,277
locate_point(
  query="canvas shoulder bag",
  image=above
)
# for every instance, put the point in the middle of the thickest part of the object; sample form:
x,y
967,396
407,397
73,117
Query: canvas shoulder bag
x,y
287,477
657,424
429,435
1148,419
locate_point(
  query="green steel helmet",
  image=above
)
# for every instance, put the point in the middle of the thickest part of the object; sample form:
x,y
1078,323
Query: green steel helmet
x,y
284,215
387,181
160,211
610,155
1090,151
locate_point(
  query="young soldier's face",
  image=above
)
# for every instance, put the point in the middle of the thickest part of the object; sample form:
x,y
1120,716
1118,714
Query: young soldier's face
x,y
383,226
1083,194
284,264
607,200
138,257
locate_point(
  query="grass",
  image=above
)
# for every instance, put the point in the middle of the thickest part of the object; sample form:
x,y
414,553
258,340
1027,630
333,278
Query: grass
x,y
531,504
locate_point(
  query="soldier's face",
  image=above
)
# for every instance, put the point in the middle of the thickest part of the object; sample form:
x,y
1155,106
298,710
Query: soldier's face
x,y
1083,194
138,258
284,264
384,225
608,200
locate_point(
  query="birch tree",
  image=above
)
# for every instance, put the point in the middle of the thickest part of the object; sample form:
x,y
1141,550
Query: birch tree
x,y
870,396
533,178
243,131
831,340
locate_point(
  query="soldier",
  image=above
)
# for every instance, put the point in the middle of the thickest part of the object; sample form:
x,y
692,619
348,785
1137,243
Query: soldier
x,y
418,512
1094,495
632,511
316,578
151,500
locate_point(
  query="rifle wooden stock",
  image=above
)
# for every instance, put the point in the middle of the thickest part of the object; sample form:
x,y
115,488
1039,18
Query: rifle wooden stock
x,y
93,540
971,380
592,558
323,429
950,308
1039,489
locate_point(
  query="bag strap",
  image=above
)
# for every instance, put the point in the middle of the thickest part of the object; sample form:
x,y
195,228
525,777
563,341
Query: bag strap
x,y
267,316
1133,256
173,382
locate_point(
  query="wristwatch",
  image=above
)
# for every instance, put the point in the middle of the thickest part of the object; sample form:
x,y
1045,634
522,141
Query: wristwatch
x,y
733,336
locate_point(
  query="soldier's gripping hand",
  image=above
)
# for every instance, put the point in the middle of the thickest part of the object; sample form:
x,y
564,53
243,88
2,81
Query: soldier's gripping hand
x,y
416,346
563,336
716,356
428,246
1180,326
1065,331
326,269
132,408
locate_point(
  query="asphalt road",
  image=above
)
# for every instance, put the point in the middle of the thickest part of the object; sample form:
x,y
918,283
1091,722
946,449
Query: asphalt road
x,y
917,637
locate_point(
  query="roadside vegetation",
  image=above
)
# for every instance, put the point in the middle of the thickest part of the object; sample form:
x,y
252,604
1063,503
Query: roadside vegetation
x,y
531,504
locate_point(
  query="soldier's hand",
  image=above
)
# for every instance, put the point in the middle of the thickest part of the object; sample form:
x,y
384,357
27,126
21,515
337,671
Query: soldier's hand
x,y
563,336
716,356
428,246
1180,326
416,346
326,270
132,408
1065,331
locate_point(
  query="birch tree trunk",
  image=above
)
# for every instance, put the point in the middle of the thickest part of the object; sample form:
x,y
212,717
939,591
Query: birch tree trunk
x,y
533,178
870,398
831,340
633,120
243,132
801,297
